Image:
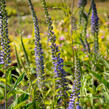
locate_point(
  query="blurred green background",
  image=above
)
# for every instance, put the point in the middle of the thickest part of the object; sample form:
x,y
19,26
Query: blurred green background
x,y
23,20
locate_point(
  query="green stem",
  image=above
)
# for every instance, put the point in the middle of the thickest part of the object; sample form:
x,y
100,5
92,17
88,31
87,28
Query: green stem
x,y
5,88
96,45
30,82
54,92
33,98
85,37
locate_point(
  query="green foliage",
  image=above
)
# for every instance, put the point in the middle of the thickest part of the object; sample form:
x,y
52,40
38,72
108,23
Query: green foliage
x,y
25,53
22,87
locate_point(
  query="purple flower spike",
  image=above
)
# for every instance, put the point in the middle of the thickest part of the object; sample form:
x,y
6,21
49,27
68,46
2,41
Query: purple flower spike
x,y
38,48
71,106
95,26
78,107
1,57
74,99
5,47
57,60
94,19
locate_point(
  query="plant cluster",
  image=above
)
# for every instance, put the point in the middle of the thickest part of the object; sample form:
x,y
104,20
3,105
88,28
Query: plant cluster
x,y
44,82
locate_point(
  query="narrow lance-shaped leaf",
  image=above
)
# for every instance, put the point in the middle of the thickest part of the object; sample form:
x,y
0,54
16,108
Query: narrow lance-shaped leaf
x,y
18,60
25,53
18,81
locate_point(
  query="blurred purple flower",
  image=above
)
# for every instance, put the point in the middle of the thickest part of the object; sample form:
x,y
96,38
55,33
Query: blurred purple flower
x,y
60,45
29,36
107,23
102,37
62,38
104,57
82,49
87,35
75,47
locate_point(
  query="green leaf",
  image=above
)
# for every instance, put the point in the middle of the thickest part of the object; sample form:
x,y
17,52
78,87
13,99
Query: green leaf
x,y
30,106
2,85
18,61
1,93
1,67
15,85
19,102
2,80
106,63
23,97
16,91
106,94
25,53
100,78
20,105
9,74
18,81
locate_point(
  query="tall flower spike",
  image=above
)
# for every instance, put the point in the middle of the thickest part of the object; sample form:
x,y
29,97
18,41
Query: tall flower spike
x,y
1,57
95,26
94,19
4,33
38,48
4,42
1,53
57,61
74,98
82,3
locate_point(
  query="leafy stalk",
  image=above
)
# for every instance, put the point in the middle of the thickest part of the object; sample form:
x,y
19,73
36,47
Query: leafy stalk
x,y
5,88
4,42
56,60
95,26
86,17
